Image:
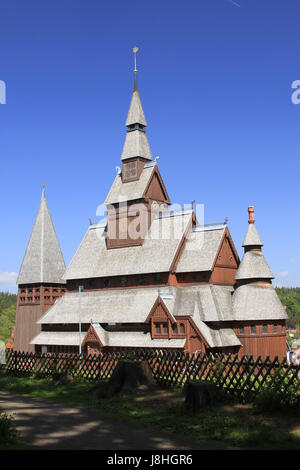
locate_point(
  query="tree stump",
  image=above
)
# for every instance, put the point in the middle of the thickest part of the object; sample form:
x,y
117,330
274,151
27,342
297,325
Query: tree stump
x,y
200,395
126,378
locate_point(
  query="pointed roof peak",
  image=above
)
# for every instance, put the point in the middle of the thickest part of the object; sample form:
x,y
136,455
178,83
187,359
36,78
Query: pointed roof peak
x,y
252,237
43,260
136,113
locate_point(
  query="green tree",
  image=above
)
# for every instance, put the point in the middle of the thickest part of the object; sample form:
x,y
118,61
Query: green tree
x,y
290,297
7,322
7,314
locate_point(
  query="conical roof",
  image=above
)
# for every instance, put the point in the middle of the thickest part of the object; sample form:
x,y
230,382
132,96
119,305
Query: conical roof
x,y
43,261
136,145
254,266
136,113
252,237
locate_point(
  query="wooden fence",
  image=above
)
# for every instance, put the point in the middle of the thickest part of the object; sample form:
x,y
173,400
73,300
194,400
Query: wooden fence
x,y
243,376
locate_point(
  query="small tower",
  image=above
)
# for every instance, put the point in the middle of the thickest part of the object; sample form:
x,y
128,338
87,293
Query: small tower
x,y
257,309
253,267
40,278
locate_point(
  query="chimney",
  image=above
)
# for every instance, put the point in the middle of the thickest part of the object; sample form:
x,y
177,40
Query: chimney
x,y
251,215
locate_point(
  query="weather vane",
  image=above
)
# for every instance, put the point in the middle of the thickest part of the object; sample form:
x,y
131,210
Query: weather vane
x,y
43,185
135,50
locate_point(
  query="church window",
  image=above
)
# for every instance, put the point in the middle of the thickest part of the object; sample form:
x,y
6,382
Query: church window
x,y
275,328
175,329
106,282
158,278
265,328
242,330
90,284
157,328
123,281
130,170
253,329
165,328
182,328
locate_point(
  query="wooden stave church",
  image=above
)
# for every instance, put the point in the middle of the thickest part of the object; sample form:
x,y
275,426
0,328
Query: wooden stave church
x,y
188,291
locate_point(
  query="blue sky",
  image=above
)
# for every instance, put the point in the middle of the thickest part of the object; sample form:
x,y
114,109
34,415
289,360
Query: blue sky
x,y
215,81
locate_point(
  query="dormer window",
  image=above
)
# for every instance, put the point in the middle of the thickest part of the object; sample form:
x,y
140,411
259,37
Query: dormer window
x,y
161,329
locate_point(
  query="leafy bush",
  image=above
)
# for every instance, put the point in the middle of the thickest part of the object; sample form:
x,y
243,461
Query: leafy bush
x,y
8,433
278,395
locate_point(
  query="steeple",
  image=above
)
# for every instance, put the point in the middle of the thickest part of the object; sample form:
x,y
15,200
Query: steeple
x,y
253,265
43,261
136,143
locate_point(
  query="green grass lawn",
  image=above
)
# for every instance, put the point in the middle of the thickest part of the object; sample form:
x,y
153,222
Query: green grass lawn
x,y
232,425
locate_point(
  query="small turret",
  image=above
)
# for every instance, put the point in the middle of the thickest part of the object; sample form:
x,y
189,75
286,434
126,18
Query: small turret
x,y
253,266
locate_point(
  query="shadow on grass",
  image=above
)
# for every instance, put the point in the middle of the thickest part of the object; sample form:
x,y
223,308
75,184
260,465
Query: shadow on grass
x,y
232,425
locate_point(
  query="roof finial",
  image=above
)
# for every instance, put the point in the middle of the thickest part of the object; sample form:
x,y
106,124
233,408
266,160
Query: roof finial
x,y
251,214
135,50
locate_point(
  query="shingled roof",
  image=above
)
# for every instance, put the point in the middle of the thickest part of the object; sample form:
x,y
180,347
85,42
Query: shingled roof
x,y
136,145
93,259
253,266
252,302
203,303
136,113
129,191
43,260
201,249
252,237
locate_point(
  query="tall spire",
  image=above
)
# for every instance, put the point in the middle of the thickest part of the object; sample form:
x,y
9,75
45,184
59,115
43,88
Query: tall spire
x,y
136,142
43,261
